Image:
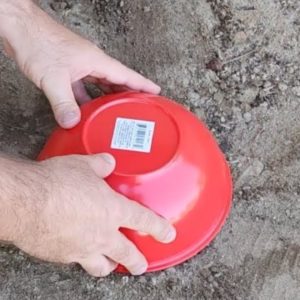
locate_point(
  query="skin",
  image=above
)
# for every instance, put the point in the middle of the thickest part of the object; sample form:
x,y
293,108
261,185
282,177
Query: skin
x,y
61,210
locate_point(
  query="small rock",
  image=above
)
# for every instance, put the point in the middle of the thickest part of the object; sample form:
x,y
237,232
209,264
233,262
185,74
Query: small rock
x,y
90,285
296,90
185,82
254,170
154,280
54,278
125,279
249,95
282,87
121,3
215,65
218,97
247,117
267,85
200,113
142,280
147,9
240,37
195,98
257,167
236,77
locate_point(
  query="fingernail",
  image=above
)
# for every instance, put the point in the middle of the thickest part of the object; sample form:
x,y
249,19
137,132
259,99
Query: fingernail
x,y
108,158
69,118
157,89
170,236
140,270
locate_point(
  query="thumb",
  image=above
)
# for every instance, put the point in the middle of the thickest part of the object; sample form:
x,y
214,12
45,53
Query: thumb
x,y
102,164
58,89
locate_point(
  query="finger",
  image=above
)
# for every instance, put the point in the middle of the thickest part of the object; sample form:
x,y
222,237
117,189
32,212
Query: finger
x,y
80,92
98,265
126,253
58,89
138,217
102,164
116,73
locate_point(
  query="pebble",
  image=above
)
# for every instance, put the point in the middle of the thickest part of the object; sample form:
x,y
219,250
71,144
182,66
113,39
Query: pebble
x,y
200,113
215,65
267,85
125,279
218,97
154,280
240,37
257,167
254,170
296,90
282,87
54,278
247,117
90,285
249,95
195,98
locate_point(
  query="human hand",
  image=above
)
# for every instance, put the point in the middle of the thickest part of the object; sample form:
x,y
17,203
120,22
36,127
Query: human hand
x,y
78,217
59,61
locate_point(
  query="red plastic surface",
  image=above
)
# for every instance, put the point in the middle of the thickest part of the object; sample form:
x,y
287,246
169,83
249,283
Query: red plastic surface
x,y
184,178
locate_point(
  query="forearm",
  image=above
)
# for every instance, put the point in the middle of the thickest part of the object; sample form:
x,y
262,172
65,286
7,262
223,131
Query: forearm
x,y
20,187
18,20
14,13
22,23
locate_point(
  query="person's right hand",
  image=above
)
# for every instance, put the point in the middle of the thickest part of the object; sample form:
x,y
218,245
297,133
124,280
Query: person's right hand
x,y
79,216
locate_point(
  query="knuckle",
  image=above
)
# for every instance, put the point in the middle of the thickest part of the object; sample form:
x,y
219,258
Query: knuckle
x,y
118,210
163,229
155,224
32,70
147,219
63,106
122,253
96,268
103,272
94,273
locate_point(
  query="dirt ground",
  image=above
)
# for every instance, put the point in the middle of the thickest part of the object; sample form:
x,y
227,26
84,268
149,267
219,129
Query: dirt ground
x,y
234,63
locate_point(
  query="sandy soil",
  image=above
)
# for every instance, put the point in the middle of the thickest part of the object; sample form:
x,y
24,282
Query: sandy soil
x,y
234,63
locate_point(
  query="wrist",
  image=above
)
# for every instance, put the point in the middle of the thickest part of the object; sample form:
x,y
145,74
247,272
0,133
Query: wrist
x,y
21,184
15,19
13,13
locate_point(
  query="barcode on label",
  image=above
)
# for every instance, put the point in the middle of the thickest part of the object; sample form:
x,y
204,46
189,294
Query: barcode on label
x,y
133,135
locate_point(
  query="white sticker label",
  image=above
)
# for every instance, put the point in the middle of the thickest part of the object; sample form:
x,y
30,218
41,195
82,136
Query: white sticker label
x,y
133,135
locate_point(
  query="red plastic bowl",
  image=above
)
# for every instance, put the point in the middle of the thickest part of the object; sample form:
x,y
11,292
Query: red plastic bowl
x,y
171,164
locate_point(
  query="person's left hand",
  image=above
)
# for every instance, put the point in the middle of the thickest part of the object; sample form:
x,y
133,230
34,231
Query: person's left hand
x,y
58,61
